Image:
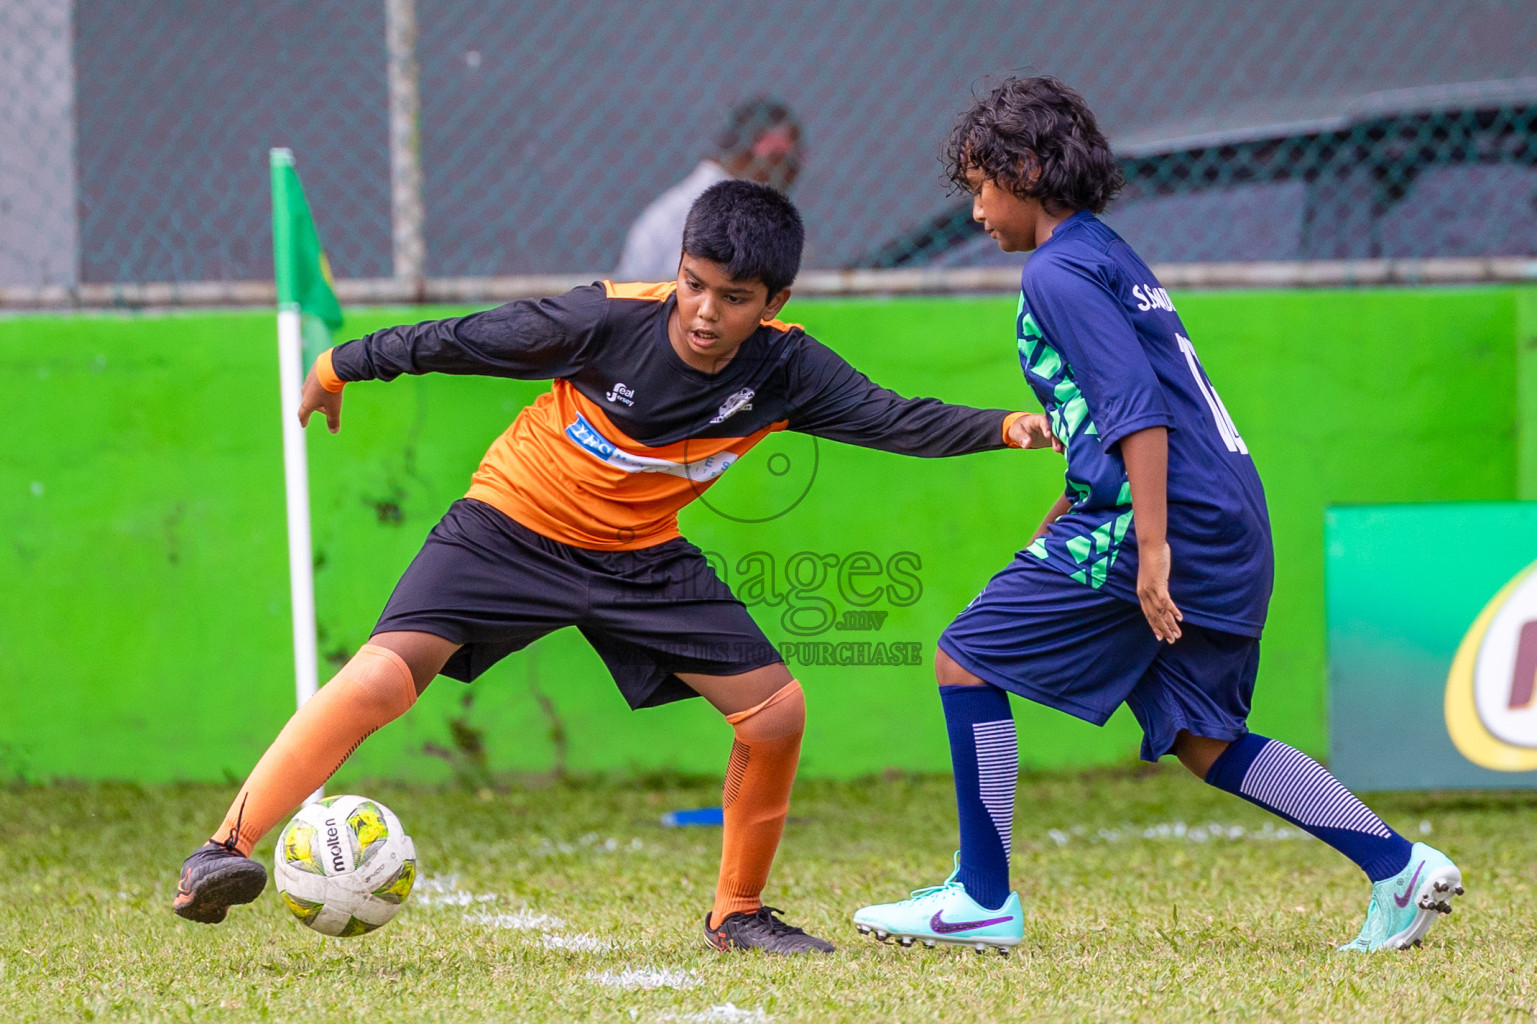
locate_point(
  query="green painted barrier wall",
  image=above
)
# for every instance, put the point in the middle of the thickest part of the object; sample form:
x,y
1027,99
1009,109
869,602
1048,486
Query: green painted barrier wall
x,y
144,619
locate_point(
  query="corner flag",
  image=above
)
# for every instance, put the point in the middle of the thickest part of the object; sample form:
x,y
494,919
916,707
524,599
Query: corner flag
x,y
307,314
303,274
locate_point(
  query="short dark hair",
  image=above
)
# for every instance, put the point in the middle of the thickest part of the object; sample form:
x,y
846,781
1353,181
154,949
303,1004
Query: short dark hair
x,y
1038,139
753,230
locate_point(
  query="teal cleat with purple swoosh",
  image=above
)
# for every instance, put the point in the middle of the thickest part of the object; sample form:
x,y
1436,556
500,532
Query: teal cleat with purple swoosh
x,y
945,914
1405,906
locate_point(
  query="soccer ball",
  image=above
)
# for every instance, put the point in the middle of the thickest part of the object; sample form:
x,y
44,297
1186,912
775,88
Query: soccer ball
x,y
345,865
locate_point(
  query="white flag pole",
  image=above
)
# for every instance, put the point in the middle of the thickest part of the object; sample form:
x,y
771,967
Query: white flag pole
x,y
301,563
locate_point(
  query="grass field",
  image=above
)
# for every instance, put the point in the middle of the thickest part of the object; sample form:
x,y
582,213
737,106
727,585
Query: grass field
x,y
1151,897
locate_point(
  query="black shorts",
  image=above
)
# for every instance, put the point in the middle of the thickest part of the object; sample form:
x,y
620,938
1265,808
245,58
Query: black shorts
x,y
485,581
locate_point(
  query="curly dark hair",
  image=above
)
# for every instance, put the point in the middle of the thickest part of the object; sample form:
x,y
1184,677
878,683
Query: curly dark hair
x,y
1038,139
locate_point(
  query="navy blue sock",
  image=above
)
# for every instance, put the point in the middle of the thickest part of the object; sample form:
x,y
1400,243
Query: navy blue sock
x,y
1291,785
985,755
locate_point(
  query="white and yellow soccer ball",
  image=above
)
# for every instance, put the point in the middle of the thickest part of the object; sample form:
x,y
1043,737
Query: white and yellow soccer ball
x,y
345,865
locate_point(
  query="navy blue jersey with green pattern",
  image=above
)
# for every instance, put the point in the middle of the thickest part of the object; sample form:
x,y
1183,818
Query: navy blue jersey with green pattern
x,y
1104,350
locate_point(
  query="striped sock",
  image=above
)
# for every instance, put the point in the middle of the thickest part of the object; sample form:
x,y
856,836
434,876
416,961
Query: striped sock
x,y
1291,785
985,755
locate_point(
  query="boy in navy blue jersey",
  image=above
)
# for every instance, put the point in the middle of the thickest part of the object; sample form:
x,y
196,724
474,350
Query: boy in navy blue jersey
x,y
1148,581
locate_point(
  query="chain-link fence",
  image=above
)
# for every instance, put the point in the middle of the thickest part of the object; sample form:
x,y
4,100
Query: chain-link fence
x,y
133,134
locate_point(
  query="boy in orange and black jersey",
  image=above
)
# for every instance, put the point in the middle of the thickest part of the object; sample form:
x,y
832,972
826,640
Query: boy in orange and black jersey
x,y
571,520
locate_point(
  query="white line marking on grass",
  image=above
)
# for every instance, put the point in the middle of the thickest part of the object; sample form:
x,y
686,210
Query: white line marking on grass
x,y
645,978
455,899
517,920
445,892
583,943
727,1013
1177,831
436,884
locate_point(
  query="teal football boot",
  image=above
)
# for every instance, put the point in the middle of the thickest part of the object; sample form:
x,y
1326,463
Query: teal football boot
x,y
945,913
1405,906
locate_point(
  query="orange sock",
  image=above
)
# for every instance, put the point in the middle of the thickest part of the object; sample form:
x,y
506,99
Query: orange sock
x,y
371,690
757,797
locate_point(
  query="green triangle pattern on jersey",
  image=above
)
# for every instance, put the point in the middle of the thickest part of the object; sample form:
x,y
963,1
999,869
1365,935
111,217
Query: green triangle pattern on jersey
x,y
1071,413
1096,551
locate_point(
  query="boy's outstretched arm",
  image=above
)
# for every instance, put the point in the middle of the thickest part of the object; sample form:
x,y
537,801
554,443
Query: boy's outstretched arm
x,y
532,339
1146,454
831,399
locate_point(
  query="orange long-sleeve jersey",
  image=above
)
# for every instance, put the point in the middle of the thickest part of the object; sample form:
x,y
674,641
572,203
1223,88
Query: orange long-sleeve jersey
x,y
630,433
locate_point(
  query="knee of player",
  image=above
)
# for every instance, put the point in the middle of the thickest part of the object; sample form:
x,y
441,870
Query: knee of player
x,y
782,714
383,676
1198,753
948,672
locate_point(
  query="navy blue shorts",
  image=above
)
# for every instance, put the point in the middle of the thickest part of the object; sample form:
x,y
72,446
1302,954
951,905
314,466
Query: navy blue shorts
x,y
485,581
1036,633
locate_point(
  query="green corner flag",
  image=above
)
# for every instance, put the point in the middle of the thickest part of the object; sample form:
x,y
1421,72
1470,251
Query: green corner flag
x,y
303,275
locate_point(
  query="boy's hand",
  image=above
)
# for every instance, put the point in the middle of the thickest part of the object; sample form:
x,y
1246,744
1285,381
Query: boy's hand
x,y
1033,430
1153,592
316,397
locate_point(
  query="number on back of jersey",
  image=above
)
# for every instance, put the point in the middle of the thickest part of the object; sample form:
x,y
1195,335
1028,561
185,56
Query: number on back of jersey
x,y
1225,427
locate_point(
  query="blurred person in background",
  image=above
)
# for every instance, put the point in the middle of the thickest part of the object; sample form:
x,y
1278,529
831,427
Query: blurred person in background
x,y
761,142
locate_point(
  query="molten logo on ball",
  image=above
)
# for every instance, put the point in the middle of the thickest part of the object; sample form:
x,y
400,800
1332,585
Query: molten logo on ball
x,y
345,865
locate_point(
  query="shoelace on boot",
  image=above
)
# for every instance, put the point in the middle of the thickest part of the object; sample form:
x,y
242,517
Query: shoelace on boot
x,y
231,841
764,917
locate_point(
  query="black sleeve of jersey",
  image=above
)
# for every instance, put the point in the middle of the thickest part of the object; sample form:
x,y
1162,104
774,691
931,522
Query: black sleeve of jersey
x,y
531,339
831,399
